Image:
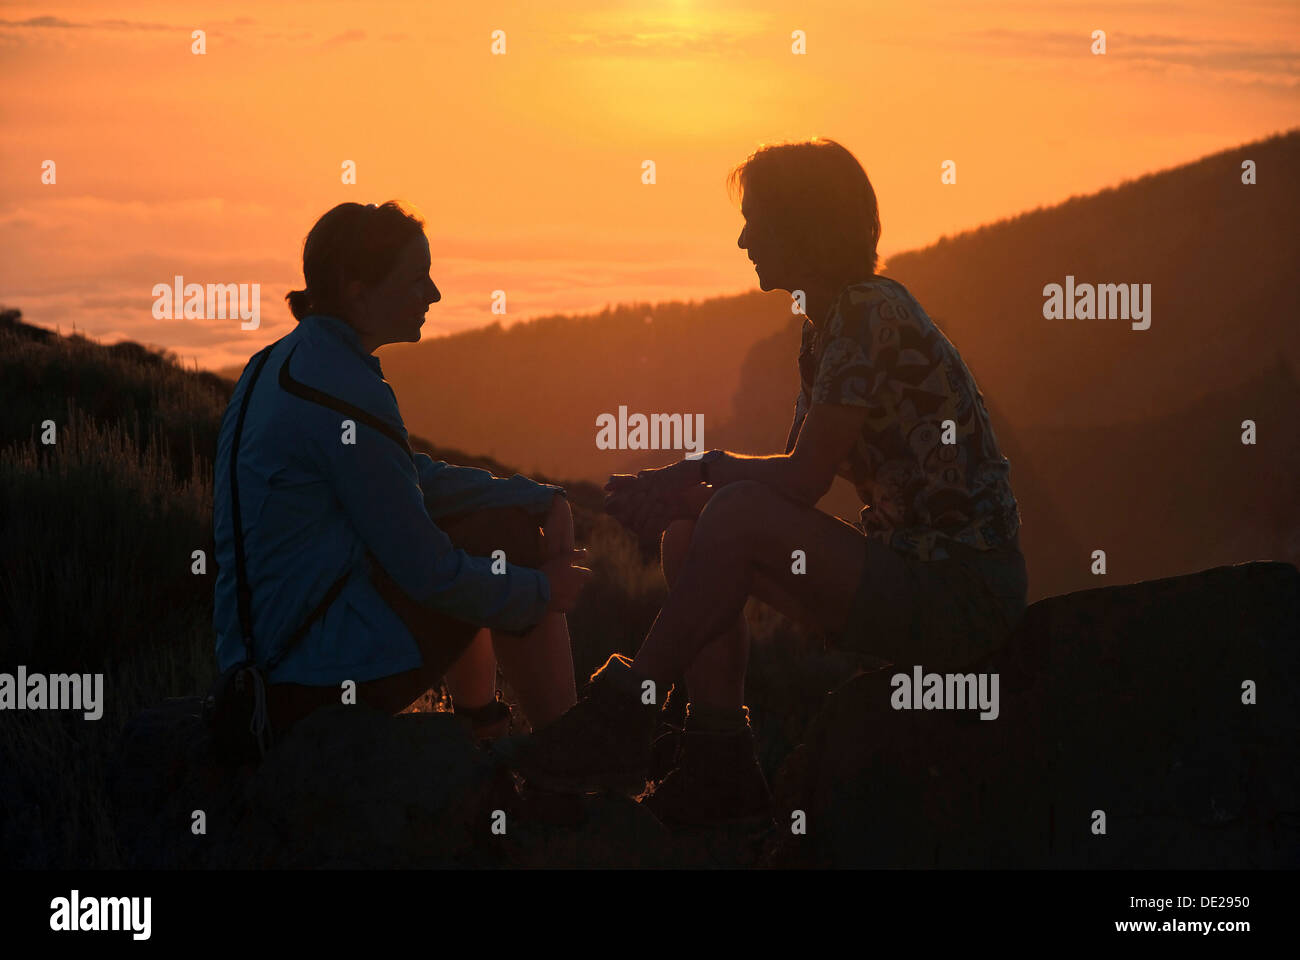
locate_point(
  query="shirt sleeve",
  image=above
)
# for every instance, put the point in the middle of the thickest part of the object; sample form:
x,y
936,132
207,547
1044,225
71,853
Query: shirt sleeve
x,y
379,489
861,350
451,489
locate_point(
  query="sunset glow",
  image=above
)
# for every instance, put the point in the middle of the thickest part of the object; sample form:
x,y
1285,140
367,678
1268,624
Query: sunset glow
x,y
528,166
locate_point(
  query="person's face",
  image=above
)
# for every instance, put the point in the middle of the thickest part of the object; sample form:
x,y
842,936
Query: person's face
x,y
774,260
392,310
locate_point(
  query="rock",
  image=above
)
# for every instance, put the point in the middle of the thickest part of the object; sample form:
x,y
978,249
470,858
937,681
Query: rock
x,y
606,832
349,787
161,773
1123,699
353,787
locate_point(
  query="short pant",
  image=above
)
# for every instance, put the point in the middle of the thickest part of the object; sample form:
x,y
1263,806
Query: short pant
x,y
935,613
442,639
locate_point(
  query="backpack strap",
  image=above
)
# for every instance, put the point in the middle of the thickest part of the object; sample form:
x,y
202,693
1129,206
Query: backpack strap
x,y
243,590
320,397
311,394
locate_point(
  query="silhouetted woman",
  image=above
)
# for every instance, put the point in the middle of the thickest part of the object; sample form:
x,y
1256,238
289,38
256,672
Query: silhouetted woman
x,y
357,559
931,574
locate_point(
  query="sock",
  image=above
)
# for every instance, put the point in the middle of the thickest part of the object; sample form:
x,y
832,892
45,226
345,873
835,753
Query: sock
x,y
618,691
490,712
626,684
702,718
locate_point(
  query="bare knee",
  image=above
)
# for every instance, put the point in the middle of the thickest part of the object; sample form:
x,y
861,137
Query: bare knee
x,y
784,603
673,547
558,528
734,515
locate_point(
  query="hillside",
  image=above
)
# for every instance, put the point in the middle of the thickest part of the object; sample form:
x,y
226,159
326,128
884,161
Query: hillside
x,y
1118,439
530,394
1115,435
99,575
1219,255
1221,260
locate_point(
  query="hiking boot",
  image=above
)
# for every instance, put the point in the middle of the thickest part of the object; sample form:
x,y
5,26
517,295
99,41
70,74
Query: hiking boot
x,y
665,751
602,743
718,782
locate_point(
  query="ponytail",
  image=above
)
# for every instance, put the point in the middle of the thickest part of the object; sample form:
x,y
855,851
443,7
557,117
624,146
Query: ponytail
x,y
299,303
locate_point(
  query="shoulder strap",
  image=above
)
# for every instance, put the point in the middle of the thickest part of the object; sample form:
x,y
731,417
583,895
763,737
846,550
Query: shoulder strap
x,y
243,591
311,394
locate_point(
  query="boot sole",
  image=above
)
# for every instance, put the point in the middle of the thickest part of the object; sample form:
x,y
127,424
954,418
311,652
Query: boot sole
x,y
755,820
628,786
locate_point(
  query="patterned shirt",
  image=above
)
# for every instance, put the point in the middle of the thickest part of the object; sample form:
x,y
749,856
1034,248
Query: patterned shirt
x,y
878,349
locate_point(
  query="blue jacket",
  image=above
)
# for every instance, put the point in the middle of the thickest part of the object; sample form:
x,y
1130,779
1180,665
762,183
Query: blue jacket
x,y
312,506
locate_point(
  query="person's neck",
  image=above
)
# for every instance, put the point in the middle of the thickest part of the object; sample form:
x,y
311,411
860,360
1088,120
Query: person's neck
x,y
821,297
368,342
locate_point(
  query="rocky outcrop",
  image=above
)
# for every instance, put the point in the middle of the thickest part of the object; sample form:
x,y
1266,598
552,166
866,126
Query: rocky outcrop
x,y
1125,700
351,787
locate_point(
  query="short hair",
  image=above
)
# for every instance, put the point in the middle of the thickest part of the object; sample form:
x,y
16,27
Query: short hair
x,y
353,241
817,193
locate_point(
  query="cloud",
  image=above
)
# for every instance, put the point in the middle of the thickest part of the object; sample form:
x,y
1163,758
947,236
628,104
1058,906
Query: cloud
x,y
347,36
91,262
41,34
658,42
1243,61
653,31
59,23
215,28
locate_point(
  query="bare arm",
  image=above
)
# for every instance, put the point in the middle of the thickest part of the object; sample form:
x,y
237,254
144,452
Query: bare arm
x,y
824,439
648,502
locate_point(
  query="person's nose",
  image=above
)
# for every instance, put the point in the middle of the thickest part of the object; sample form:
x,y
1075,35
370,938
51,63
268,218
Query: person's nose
x,y
432,295
740,241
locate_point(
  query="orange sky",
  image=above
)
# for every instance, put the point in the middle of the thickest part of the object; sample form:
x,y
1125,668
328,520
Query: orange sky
x,y
527,166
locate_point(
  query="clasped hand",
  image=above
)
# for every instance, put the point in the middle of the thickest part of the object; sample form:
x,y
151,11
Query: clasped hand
x,y
648,502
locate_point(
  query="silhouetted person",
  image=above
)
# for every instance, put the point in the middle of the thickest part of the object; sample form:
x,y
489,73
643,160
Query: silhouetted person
x,y
365,562
931,574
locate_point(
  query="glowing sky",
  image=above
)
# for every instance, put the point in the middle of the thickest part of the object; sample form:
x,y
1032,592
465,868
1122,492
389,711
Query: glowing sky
x,y
527,166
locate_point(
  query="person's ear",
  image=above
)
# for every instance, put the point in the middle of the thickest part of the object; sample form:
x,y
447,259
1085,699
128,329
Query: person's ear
x,y
352,295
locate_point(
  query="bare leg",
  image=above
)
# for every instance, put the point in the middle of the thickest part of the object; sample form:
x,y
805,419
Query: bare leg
x,y
716,677
472,680
539,664
749,531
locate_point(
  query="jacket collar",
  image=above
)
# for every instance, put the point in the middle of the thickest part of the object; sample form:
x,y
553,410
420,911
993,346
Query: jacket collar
x,y
342,330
